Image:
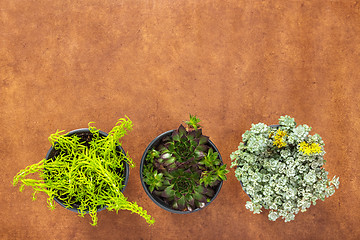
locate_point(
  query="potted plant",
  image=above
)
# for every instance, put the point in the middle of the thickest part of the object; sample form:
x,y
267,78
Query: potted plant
x,y
85,171
181,170
280,167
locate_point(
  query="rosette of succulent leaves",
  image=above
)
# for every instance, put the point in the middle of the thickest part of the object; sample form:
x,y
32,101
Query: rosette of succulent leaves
x,y
184,170
86,172
281,168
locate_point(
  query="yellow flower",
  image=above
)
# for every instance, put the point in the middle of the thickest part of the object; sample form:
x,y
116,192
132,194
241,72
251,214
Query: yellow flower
x,y
279,139
309,148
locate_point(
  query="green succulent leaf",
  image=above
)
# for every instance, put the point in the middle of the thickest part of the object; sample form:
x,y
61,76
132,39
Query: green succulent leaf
x,y
200,189
221,172
210,192
190,136
190,199
175,205
181,202
171,147
175,136
201,148
170,161
168,192
199,197
178,194
182,131
203,140
198,133
166,156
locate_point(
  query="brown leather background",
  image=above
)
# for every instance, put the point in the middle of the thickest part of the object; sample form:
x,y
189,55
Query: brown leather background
x,y
230,62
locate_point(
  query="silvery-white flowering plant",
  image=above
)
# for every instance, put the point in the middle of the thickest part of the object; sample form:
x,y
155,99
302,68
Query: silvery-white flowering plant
x,y
280,168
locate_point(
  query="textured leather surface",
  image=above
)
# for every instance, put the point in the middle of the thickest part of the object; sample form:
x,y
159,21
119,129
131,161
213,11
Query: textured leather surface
x,y
230,62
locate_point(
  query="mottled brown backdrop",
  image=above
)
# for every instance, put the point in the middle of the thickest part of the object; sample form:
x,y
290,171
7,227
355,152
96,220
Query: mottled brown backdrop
x,y
231,62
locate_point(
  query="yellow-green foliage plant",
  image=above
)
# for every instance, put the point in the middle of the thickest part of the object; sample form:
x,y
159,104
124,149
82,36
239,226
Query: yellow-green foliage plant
x,y
86,171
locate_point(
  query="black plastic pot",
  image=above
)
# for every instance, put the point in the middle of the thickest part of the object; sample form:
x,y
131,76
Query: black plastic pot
x,y
51,153
157,200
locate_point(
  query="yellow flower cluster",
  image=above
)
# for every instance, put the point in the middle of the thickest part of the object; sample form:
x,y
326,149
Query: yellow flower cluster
x,y
279,138
309,148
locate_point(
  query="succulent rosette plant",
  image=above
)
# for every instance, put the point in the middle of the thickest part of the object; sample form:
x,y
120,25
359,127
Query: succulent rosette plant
x,y
280,167
183,170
